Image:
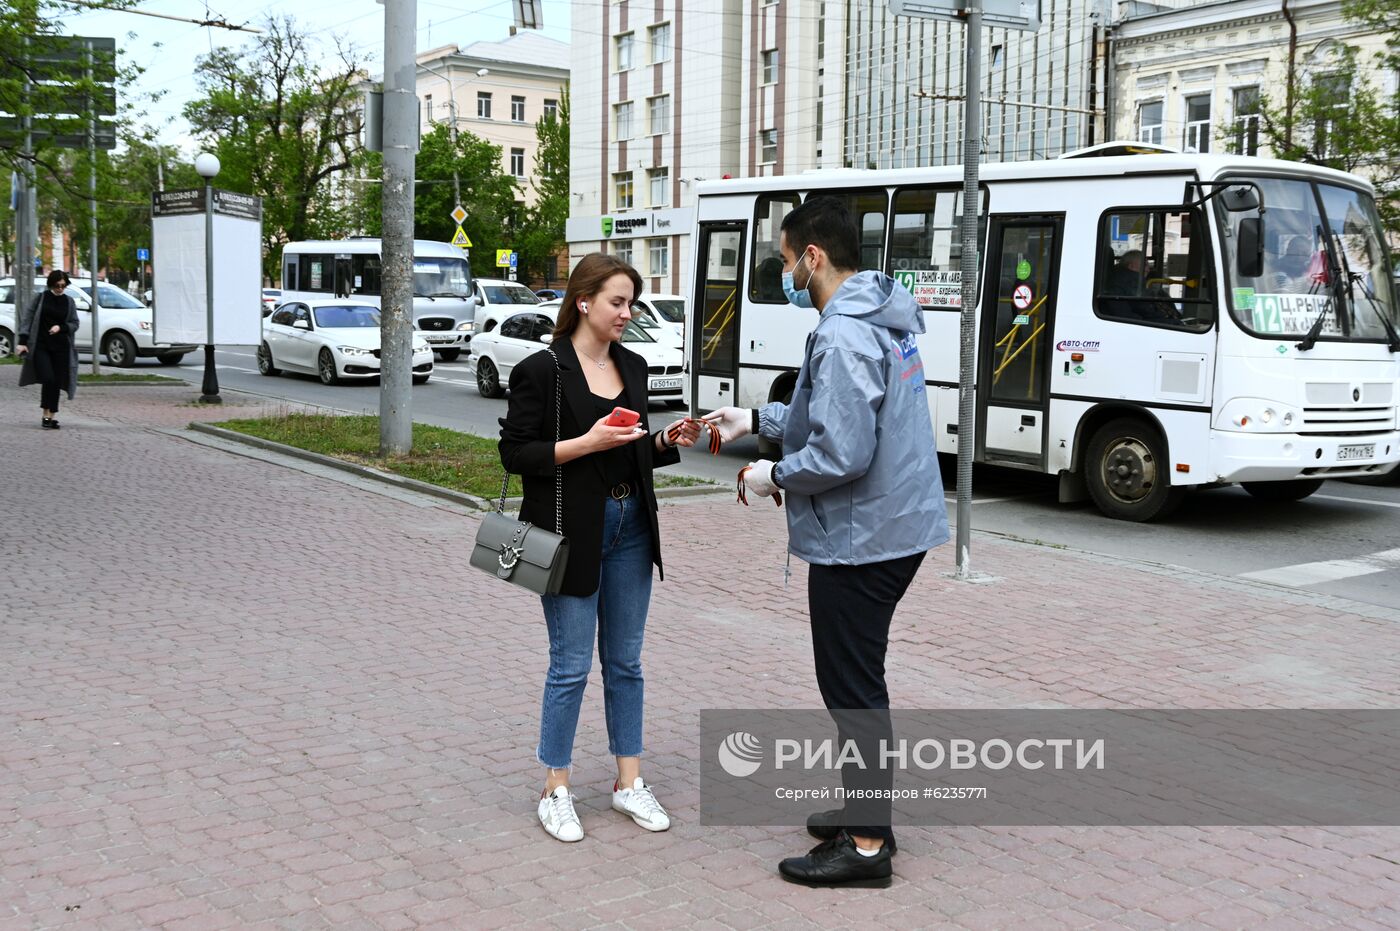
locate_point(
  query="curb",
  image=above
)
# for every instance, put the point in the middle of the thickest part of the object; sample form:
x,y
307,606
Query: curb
x,y
471,502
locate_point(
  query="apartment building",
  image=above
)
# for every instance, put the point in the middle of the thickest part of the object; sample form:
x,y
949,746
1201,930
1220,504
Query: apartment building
x,y
668,94
496,90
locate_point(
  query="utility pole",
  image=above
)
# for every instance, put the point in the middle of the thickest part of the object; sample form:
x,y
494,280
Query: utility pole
x,y
92,210
971,208
24,209
396,303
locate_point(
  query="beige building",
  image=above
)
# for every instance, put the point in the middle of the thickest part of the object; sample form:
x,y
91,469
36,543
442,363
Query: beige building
x,y
1192,77
497,91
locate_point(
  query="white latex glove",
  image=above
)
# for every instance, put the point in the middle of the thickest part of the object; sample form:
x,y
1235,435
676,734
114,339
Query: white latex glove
x,y
730,423
757,479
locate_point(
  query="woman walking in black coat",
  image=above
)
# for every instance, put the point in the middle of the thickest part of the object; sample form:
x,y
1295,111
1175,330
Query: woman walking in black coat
x,y
46,330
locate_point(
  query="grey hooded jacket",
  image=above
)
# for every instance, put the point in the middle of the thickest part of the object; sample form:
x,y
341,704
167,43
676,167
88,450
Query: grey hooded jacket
x,y
859,467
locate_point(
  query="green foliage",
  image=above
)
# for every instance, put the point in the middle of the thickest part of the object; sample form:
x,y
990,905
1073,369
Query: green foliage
x,y
281,130
542,232
1340,118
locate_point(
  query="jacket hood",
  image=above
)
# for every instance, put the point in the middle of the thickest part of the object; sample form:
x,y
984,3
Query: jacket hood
x,y
877,299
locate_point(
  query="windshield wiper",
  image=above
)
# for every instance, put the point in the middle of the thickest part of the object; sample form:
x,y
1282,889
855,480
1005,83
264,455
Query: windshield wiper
x,y
1334,281
1392,337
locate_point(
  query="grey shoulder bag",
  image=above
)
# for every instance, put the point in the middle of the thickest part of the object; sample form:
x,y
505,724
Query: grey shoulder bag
x,y
517,551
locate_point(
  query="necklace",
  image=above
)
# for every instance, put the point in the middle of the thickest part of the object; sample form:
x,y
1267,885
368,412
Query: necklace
x,y
602,365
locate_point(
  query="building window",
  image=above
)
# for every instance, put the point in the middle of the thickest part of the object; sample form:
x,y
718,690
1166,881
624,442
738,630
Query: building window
x,y
660,256
622,121
517,109
1335,88
551,109
659,114
769,138
770,66
517,162
622,248
658,180
1197,135
660,43
428,107
483,105
1247,120
1150,122
622,51
622,190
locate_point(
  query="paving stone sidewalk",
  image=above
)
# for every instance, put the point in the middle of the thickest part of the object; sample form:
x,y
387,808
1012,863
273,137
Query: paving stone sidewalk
x,y
236,695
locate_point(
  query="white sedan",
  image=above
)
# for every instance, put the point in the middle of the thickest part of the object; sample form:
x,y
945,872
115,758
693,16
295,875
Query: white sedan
x,y
522,334
332,339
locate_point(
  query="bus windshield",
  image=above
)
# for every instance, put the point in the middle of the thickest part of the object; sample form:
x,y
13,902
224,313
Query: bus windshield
x,y
1323,254
441,277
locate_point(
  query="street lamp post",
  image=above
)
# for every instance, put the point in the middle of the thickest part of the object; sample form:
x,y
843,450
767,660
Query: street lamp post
x,y
452,126
208,166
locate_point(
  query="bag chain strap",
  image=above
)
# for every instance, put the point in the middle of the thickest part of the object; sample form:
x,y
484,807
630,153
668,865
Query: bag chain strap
x,y
558,471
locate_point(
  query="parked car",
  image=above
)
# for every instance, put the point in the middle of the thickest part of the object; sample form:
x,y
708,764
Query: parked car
x,y
126,324
528,330
668,309
549,294
271,297
334,340
495,298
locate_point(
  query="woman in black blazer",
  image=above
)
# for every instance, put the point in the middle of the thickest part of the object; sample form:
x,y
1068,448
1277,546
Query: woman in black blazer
x,y
609,518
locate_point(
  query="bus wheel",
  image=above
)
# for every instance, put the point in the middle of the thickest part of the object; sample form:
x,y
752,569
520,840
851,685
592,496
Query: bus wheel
x,y
1295,490
1126,471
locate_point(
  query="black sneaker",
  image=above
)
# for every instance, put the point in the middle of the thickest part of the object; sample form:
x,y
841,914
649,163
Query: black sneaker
x,y
47,423
825,825
836,862
53,423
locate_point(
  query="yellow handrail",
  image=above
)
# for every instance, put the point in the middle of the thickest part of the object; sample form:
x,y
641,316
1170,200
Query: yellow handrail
x,y
711,345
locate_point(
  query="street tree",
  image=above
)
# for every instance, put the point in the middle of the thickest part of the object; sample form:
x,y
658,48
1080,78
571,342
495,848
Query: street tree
x,y
1334,114
542,232
281,127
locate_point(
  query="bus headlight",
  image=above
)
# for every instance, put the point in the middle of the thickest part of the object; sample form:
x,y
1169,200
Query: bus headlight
x,y
1256,415
466,327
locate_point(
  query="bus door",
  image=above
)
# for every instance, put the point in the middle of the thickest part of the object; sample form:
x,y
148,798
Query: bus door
x,y
714,323
1018,320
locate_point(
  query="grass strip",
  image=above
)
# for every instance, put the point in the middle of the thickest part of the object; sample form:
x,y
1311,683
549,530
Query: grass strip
x,y
449,458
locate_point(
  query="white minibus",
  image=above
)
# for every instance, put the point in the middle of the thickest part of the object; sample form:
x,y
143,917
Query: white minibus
x,y
1146,324
443,306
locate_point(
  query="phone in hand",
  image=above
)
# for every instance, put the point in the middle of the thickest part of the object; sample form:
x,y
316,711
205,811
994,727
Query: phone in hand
x,y
622,417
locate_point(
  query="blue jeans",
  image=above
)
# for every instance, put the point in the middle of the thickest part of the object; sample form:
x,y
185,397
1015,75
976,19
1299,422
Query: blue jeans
x,y
617,611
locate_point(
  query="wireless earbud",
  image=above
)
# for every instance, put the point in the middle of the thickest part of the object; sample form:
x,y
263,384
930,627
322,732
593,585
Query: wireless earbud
x,y
583,306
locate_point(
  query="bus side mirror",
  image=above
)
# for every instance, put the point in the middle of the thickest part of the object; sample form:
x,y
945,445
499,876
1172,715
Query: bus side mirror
x,y
1249,247
1238,199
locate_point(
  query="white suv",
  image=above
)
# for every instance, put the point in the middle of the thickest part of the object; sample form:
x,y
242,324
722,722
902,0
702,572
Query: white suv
x,y
125,321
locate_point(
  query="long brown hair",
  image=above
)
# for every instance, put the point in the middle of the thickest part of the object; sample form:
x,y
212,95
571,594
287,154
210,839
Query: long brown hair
x,y
586,280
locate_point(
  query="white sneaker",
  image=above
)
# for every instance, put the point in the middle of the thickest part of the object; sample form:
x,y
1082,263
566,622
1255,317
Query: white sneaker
x,y
557,814
642,806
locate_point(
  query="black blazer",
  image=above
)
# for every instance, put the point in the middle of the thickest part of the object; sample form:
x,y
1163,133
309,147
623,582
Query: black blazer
x,y
527,449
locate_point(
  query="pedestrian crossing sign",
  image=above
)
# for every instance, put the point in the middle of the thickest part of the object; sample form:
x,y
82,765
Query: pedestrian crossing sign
x,y
462,239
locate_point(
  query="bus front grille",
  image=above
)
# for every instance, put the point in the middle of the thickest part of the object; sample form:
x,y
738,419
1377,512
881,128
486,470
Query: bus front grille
x,y
435,323
1346,421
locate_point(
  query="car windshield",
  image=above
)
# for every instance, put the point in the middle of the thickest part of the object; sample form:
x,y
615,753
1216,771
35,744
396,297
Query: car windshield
x,y
346,316
441,277
112,296
635,334
1322,247
508,294
671,311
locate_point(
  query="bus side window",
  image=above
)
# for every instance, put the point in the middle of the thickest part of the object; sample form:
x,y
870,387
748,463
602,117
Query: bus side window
x,y
868,209
926,243
315,273
766,276
1154,268
366,272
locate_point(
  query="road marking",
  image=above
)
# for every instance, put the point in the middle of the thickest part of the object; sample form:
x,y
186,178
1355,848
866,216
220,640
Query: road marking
x,y
230,352
1383,504
1330,570
235,368
984,500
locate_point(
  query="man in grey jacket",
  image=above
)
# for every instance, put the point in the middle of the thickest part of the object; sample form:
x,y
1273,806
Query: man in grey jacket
x,y
864,503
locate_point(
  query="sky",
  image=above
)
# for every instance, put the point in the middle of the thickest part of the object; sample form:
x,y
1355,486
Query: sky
x,y
168,50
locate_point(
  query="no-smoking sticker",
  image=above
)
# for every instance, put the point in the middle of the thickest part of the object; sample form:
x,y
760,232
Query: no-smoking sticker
x,y
1021,297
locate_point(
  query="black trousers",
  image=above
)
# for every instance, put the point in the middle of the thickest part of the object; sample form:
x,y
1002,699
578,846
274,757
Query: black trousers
x,y
51,367
851,608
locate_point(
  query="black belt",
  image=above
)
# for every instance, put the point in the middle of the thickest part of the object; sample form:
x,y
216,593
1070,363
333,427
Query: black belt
x,y
620,490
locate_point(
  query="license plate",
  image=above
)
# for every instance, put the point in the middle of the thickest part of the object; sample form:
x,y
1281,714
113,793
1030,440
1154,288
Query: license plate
x,y
660,384
441,339
1365,451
